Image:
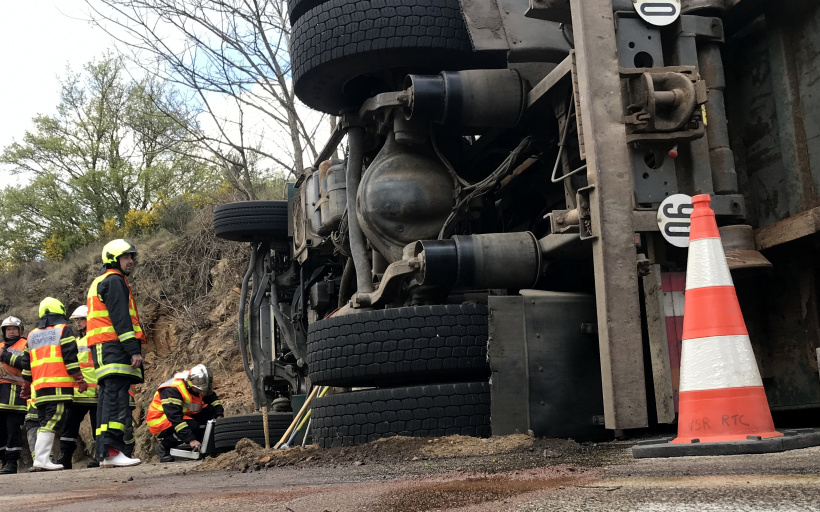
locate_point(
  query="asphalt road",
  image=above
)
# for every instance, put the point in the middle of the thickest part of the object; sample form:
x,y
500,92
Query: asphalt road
x,y
787,481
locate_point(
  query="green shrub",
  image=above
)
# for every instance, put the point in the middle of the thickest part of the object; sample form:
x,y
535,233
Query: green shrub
x,y
175,214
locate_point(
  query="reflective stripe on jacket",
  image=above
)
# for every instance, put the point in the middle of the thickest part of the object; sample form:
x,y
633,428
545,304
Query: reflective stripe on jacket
x,y
11,376
14,375
191,404
100,327
107,365
89,374
48,369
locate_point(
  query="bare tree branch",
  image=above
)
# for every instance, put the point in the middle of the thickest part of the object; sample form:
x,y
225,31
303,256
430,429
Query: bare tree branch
x,y
220,50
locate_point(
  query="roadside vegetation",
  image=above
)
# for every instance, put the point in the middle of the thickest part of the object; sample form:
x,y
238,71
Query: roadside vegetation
x,y
194,105
113,161
144,141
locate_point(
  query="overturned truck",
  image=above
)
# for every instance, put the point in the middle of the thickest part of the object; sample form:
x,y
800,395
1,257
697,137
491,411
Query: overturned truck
x,y
497,248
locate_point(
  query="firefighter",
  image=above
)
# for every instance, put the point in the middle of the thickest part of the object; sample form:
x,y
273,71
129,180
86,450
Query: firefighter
x,y
114,337
50,361
84,402
12,406
181,408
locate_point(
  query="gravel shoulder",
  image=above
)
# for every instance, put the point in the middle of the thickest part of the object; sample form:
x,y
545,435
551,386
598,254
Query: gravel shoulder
x,y
515,473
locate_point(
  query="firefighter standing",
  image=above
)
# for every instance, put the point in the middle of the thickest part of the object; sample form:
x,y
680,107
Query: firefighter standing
x,y
181,408
85,402
114,337
12,406
50,361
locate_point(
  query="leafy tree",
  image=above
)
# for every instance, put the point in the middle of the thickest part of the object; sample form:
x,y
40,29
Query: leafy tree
x,y
16,245
110,150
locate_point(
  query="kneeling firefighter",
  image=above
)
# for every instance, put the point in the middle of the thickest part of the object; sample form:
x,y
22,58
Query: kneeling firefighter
x,y
181,408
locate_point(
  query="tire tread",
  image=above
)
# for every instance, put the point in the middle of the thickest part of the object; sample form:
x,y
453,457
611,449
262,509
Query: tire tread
x,y
340,40
436,410
382,348
247,221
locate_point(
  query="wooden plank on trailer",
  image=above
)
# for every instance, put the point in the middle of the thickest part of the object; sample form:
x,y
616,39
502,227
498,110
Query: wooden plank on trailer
x,y
659,345
541,89
787,230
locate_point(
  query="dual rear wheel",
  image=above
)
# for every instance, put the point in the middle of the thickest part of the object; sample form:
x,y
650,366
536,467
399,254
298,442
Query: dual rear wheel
x,y
429,363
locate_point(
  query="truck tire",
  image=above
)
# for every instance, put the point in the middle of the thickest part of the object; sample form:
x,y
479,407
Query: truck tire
x,y
230,430
297,8
358,417
248,221
342,50
411,345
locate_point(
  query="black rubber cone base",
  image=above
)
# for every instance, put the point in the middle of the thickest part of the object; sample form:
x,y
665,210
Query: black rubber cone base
x,y
790,440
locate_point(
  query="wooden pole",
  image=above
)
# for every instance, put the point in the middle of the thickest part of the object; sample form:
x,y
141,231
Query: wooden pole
x,y
298,417
305,419
266,426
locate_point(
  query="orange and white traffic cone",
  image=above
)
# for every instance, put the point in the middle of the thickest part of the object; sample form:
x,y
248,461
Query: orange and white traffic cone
x,y
721,394
722,404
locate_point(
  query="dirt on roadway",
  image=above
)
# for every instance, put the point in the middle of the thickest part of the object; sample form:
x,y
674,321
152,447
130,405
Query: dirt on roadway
x,y
515,473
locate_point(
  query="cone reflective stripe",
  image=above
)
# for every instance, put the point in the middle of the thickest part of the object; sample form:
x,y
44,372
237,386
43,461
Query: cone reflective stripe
x,y
721,393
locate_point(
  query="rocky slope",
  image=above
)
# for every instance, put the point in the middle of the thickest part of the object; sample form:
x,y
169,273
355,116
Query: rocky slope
x,y
187,289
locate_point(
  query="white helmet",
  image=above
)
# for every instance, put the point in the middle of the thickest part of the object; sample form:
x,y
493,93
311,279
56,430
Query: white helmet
x,y
200,380
12,321
80,312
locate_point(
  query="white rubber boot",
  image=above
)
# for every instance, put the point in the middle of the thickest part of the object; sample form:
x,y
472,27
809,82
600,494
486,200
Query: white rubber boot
x,y
118,461
42,453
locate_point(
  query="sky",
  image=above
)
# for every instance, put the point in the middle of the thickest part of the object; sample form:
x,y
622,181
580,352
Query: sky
x,y
38,39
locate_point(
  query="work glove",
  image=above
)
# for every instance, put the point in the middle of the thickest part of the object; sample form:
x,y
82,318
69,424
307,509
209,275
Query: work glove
x,y
25,391
82,385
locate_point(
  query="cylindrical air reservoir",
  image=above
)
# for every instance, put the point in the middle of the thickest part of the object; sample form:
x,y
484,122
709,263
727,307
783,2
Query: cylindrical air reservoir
x,y
475,98
495,260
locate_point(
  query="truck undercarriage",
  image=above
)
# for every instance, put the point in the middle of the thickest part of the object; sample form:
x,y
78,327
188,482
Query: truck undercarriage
x,y
496,250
